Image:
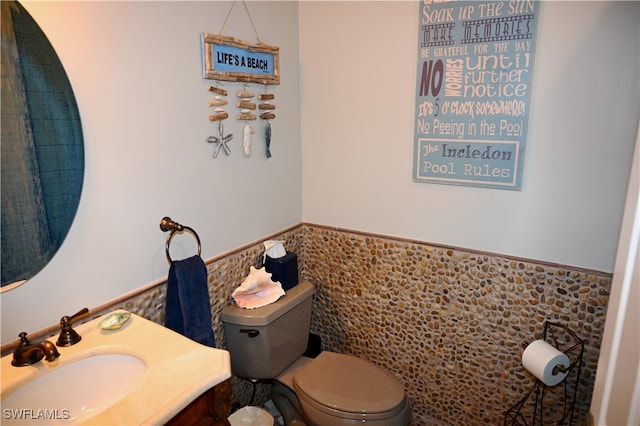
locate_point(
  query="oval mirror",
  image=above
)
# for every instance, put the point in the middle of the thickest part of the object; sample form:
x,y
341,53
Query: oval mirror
x,y
42,152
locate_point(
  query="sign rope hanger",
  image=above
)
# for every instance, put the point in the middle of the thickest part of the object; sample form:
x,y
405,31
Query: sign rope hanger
x,y
246,8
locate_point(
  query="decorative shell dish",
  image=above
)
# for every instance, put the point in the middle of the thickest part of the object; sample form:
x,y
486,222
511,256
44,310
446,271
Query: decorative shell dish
x,y
114,321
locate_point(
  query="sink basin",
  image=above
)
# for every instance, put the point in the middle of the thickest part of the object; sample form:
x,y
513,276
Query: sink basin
x,y
77,391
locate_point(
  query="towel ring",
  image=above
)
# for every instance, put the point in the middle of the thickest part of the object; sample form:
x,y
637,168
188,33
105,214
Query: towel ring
x,y
166,224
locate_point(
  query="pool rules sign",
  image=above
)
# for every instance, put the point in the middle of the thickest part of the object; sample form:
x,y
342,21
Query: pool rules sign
x,y
475,64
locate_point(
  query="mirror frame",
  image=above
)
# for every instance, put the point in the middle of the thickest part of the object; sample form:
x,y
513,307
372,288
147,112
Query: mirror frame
x,y
42,148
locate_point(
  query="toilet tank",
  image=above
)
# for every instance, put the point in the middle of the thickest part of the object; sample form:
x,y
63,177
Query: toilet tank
x,y
264,341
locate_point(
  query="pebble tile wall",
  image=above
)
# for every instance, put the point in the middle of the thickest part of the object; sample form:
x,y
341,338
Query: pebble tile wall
x,y
448,323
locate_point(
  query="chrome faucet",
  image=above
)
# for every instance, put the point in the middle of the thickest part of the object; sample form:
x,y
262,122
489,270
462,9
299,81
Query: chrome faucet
x,y
27,353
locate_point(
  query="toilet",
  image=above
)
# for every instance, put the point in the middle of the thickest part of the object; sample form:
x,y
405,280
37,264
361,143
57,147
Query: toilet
x,y
331,389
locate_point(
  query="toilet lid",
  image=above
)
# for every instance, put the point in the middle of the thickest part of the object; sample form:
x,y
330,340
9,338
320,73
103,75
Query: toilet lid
x,y
350,384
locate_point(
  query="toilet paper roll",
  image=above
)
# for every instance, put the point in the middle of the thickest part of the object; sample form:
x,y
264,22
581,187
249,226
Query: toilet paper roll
x,y
540,359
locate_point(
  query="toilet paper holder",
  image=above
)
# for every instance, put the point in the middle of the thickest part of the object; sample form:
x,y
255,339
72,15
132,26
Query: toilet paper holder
x,y
532,405
559,368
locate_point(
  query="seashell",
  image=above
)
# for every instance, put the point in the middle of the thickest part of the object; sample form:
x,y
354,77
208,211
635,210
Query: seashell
x,y
257,290
114,321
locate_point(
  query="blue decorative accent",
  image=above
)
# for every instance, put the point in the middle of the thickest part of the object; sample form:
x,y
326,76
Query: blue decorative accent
x,y
234,59
187,308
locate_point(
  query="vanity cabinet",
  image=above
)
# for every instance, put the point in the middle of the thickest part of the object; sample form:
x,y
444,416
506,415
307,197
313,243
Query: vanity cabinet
x,y
210,409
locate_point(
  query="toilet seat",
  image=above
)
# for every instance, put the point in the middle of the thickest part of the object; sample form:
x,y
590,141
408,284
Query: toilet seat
x,y
349,387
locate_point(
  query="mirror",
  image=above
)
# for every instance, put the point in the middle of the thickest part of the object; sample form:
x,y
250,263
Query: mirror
x,y
42,151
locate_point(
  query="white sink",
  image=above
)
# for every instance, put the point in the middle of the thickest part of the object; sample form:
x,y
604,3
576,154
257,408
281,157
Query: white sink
x,y
77,391
141,374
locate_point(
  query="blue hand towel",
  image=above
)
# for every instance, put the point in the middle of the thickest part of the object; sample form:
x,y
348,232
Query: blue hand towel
x,y
187,308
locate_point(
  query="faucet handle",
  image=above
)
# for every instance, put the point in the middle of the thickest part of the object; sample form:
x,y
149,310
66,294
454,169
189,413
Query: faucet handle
x,y
68,336
23,338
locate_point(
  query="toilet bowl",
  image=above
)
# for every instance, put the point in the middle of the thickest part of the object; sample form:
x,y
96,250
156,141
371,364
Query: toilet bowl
x,y
329,390
337,389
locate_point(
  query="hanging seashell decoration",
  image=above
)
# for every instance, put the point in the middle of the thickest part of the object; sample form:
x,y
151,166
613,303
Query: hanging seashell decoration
x,y
246,105
218,116
267,106
218,102
247,139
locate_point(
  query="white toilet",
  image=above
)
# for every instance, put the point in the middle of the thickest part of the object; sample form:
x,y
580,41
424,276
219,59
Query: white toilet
x,y
331,389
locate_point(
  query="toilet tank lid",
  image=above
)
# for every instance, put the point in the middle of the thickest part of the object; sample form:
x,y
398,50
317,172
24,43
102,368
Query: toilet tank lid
x,y
269,313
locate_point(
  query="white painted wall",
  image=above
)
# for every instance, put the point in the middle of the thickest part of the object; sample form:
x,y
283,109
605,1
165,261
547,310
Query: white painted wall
x,y
136,71
358,71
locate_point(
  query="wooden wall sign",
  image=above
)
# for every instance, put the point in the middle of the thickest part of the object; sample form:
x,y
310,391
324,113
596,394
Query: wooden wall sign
x,y
474,79
230,59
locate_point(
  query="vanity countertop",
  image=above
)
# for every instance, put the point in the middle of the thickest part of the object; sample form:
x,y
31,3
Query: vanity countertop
x,y
178,369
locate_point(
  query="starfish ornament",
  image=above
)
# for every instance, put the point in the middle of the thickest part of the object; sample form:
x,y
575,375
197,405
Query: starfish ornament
x,y
221,140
